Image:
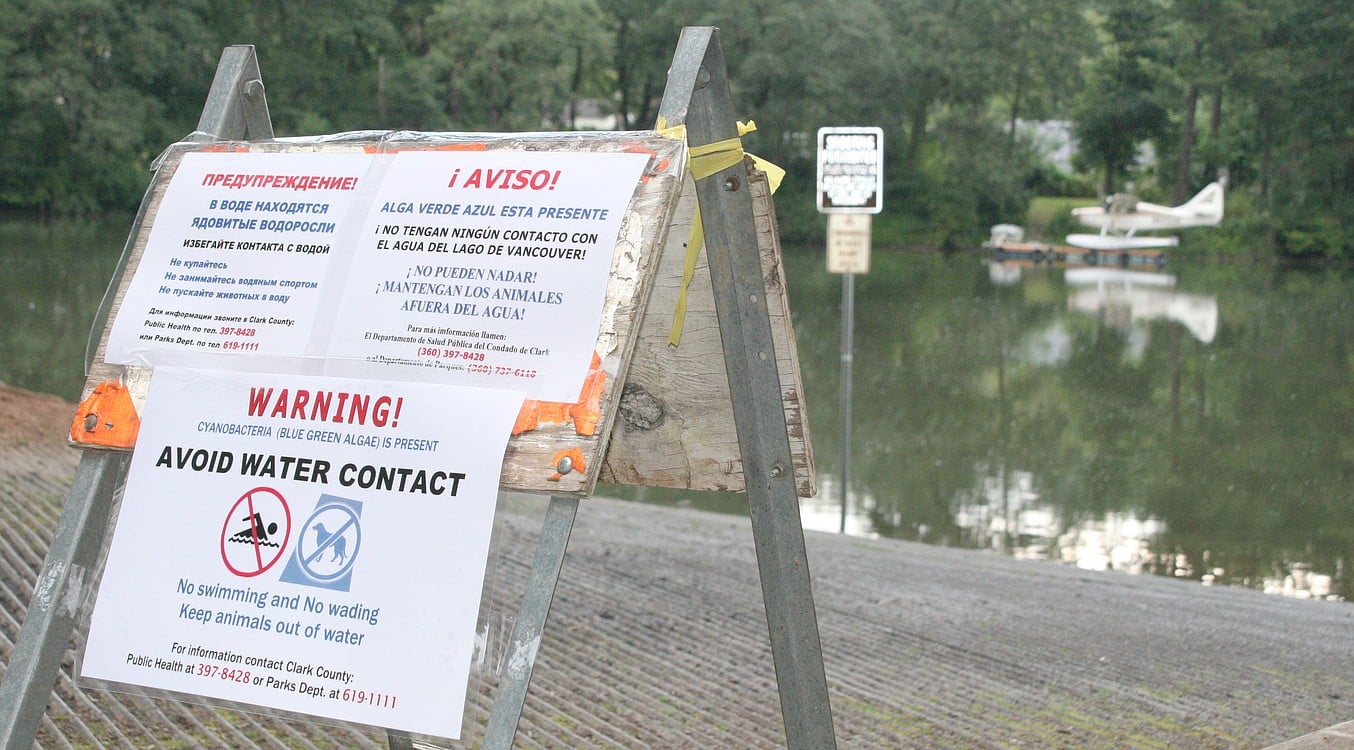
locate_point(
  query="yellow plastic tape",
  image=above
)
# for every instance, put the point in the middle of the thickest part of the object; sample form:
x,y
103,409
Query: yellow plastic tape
x,y
702,162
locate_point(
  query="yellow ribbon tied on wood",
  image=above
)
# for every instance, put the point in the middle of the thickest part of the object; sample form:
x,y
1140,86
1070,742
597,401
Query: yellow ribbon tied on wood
x,y
703,161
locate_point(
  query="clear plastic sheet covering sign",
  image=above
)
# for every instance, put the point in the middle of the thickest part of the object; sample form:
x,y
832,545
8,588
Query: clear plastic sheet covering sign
x,y
304,543
484,268
520,262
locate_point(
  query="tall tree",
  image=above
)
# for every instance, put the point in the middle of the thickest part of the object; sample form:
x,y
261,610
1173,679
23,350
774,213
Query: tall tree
x,y
520,65
1043,43
944,56
1121,106
1305,123
798,65
88,96
1212,41
646,33
320,61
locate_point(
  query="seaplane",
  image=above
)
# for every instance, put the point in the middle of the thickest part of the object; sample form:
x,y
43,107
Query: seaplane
x,y
1122,216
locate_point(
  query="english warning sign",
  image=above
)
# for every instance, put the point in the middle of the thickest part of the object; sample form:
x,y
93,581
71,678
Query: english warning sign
x,y
279,535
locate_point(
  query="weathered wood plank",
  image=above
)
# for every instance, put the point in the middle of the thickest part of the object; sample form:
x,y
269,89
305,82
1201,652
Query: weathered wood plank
x,y
676,425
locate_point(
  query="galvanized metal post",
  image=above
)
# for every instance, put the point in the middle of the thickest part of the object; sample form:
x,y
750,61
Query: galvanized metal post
x,y
526,636
698,96
236,108
57,595
847,360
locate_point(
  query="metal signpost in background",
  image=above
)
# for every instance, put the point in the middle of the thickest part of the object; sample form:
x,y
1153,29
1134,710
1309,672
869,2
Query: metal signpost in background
x,y
850,188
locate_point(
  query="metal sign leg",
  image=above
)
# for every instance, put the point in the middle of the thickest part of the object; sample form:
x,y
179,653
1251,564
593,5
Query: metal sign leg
x,y
526,635
235,109
57,595
698,96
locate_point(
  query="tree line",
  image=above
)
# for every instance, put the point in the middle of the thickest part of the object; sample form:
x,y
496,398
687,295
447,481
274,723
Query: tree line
x,y
92,90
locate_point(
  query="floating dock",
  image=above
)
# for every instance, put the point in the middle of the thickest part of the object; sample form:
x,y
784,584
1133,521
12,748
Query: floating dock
x,y
1048,254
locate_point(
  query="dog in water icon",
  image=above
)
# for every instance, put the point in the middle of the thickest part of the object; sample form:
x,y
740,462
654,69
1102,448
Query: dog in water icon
x,y
339,545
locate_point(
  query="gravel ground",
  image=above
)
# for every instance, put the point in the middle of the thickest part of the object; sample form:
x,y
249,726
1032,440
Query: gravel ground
x,y
657,639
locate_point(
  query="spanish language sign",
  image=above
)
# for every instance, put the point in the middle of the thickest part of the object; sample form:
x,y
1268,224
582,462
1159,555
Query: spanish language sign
x,y
486,266
483,268
284,541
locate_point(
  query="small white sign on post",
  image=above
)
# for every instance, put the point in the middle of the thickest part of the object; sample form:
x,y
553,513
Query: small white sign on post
x,y
848,243
850,188
850,170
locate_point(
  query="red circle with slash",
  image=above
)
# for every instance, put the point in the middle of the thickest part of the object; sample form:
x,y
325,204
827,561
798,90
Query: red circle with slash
x,y
255,532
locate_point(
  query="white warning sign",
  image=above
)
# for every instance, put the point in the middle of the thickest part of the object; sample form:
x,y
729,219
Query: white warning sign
x,y
304,543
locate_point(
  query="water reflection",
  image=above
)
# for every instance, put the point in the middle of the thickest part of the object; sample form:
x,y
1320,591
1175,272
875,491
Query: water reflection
x,y
823,512
1192,423
52,278
1122,299
1189,424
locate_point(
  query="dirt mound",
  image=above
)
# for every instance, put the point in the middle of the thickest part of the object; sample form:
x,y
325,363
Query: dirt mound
x,y
29,417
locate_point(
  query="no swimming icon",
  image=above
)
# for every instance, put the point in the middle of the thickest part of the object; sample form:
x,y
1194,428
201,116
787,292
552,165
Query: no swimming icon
x,y
255,532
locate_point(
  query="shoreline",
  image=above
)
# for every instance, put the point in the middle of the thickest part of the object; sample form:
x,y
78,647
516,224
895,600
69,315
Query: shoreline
x,y
31,417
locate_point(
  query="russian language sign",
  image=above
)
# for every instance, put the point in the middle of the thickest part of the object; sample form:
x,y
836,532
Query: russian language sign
x,y
306,543
483,268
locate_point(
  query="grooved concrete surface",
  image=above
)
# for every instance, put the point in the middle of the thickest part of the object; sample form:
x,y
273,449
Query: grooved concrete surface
x,y
657,639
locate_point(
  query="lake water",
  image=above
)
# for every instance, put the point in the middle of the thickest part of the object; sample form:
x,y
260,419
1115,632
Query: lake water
x,y
1194,421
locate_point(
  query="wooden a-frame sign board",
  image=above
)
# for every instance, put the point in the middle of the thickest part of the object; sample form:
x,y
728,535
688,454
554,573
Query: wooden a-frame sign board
x,y
677,422
670,404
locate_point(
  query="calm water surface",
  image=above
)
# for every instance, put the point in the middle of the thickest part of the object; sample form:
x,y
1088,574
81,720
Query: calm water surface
x,y
1192,422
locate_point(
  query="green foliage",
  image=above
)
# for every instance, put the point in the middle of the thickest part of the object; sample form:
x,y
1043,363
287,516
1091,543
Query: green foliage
x,y
524,64
1245,228
640,27
74,103
1122,105
321,64
1050,219
93,90
1321,236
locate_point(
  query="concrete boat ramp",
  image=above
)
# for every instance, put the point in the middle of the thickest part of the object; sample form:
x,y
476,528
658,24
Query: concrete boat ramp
x,y
657,639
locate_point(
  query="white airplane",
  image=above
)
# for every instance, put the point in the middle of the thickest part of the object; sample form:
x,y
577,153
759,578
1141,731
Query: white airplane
x,y
1123,215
